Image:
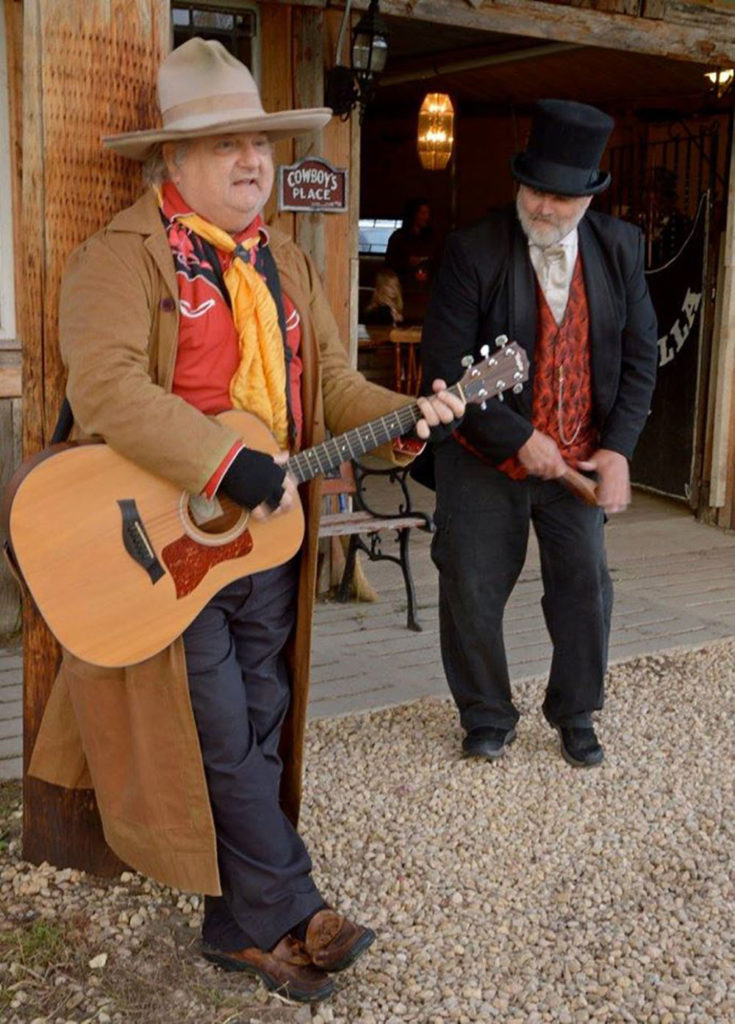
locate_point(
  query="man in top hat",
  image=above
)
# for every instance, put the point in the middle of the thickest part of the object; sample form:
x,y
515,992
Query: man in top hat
x,y
567,284
186,305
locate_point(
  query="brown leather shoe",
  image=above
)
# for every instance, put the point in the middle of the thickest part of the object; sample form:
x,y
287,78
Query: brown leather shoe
x,y
333,942
287,969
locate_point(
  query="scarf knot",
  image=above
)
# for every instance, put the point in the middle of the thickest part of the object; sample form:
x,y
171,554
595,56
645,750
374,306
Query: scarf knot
x,y
259,382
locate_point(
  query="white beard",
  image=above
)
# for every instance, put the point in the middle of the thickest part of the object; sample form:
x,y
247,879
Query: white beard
x,y
543,231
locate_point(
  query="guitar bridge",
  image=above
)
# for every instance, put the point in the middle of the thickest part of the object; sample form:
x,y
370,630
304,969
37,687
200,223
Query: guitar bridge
x,y
137,542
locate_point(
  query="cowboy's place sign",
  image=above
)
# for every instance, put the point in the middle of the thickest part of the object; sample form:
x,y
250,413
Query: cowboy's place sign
x,y
312,184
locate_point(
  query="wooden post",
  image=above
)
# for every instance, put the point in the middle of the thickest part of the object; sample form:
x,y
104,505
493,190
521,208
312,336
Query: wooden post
x,y
308,91
342,149
299,42
88,69
723,441
276,90
10,376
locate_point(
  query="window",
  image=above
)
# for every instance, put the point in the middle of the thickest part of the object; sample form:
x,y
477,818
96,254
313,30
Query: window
x,y
234,24
373,234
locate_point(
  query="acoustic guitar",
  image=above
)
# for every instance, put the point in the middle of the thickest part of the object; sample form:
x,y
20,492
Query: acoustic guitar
x,y
120,561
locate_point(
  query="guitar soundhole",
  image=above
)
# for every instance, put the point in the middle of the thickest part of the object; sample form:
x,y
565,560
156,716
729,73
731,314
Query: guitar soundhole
x,y
212,521
224,522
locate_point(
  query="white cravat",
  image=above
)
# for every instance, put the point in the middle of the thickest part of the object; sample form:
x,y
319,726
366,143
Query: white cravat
x,y
554,266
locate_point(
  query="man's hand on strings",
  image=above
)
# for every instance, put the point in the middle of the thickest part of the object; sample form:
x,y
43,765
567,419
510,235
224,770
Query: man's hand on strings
x,y
439,410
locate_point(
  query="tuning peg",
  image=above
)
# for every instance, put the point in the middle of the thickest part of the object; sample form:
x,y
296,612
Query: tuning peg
x,y
517,388
483,406
502,340
485,351
499,396
467,361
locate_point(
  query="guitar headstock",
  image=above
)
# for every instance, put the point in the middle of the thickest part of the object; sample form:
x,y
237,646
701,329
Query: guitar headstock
x,y
504,369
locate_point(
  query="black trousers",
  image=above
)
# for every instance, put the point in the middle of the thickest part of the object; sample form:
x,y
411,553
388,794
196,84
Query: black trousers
x,y
482,520
240,693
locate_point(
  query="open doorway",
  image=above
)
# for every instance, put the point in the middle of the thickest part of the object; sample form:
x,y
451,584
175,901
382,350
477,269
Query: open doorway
x,y
668,157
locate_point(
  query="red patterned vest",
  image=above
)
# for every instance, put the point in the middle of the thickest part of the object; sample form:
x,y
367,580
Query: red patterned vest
x,y
562,382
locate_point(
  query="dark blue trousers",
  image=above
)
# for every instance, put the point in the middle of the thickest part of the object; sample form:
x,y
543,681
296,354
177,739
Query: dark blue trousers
x,y
240,693
483,520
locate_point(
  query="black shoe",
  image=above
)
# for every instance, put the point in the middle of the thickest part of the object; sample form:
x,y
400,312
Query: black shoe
x,y
579,745
488,741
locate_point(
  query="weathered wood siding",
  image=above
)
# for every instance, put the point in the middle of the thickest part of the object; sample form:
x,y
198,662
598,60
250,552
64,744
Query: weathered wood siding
x,y
88,69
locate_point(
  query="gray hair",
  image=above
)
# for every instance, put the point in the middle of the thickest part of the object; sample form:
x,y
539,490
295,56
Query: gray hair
x,y
155,168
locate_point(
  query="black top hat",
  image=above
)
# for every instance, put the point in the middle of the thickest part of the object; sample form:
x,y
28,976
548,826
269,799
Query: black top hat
x,y
564,150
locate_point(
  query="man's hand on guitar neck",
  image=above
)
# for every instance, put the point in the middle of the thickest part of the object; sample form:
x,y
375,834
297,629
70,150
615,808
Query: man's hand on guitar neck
x,y
440,410
289,494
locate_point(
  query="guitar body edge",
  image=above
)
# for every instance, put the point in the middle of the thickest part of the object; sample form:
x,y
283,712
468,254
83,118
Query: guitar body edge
x,y
66,530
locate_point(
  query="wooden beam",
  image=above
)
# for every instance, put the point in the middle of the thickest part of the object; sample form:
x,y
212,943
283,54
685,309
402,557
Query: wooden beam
x,y
690,31
687,33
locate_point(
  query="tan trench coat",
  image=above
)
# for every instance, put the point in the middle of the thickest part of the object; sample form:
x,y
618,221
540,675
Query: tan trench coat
x,y
129,733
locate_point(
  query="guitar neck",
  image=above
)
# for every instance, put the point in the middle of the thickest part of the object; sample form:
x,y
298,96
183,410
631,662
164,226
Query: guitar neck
x,y
328,455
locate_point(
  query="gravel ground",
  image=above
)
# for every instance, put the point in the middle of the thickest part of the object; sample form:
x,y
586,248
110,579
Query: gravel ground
x,y
520,892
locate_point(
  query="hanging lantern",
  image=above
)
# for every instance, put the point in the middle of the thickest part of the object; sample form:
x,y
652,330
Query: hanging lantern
x,y
436,131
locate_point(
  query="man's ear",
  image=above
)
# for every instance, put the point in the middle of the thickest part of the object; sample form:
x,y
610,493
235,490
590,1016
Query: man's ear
x,y
168,152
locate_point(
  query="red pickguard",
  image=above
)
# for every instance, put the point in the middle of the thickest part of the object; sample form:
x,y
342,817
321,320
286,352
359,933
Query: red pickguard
x,y
189,562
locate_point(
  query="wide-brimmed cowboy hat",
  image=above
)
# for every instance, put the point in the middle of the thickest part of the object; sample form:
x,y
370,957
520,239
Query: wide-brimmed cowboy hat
x,y
564,150
204,90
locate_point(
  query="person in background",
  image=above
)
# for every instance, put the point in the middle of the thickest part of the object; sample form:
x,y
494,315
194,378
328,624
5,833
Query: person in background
x,y
568,285
410,250
386,302
187,305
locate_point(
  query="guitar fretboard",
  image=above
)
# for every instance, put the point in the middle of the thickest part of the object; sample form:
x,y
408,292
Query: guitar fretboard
x,y
328,455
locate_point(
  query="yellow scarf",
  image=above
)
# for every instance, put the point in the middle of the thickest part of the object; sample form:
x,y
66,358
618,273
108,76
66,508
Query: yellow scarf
x,y
259,382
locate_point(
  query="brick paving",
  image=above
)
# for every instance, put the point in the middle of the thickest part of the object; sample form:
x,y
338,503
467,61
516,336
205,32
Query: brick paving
x,y
674,588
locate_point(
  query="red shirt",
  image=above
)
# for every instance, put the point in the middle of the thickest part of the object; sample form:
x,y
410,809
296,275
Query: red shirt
x,y
208,352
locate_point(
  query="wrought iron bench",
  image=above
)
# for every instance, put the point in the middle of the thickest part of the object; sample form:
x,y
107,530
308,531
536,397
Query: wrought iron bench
x,y
364,525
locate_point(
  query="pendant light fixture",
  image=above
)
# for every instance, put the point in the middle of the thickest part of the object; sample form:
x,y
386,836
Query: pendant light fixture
x,y
436,131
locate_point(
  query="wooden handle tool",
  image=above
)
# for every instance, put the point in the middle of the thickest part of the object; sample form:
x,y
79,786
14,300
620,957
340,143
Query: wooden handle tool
x,y
580,485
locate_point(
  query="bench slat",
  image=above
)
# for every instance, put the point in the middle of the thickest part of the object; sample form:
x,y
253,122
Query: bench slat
x,y
346,523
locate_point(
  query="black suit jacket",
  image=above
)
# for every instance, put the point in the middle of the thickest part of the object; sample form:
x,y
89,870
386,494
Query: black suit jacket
x,y
486,286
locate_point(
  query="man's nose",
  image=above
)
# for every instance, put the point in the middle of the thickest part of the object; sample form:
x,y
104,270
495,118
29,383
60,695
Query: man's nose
x,y
546,207
247,154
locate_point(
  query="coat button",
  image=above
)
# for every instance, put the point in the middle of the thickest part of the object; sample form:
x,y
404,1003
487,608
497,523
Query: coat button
x,y
167,305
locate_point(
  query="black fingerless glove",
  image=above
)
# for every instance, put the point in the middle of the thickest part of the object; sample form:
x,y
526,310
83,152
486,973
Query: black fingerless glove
x,y
253,478
442,431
